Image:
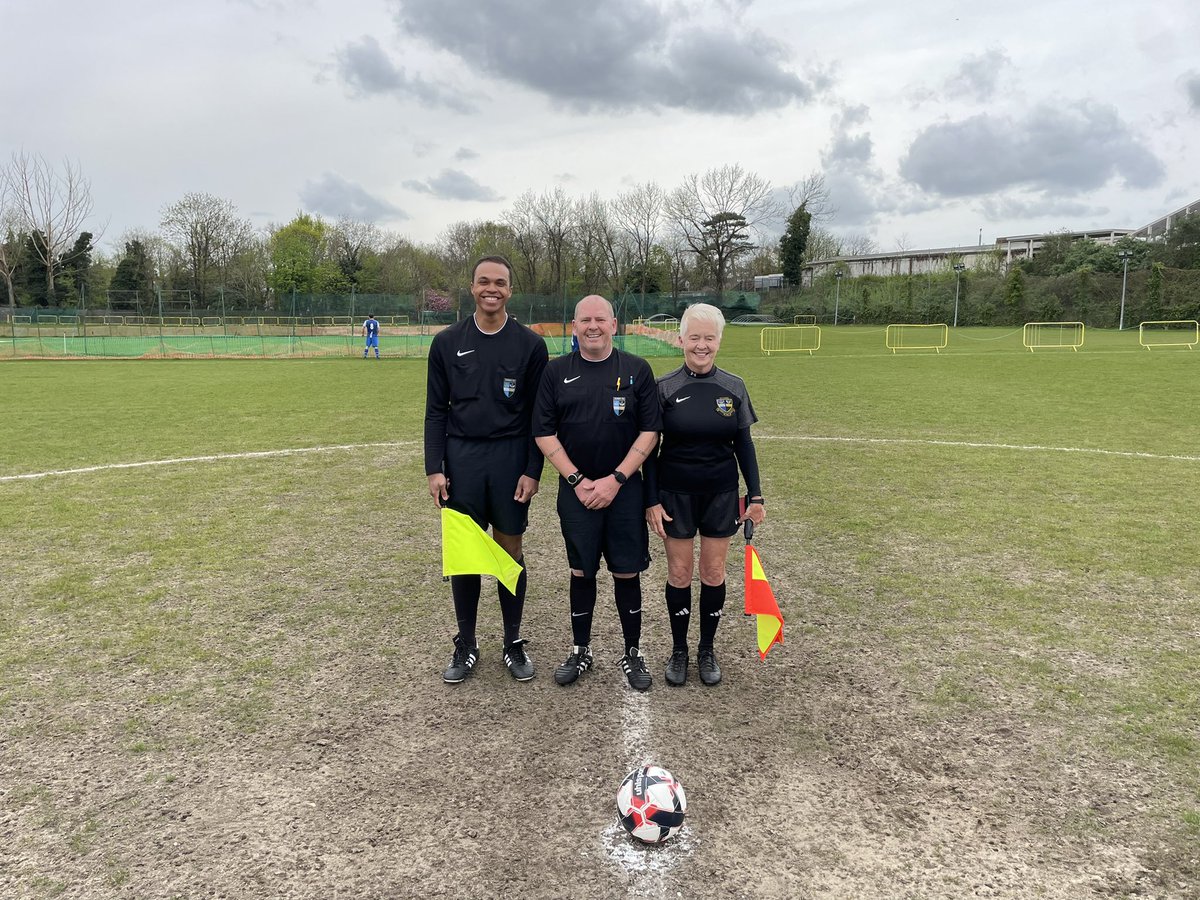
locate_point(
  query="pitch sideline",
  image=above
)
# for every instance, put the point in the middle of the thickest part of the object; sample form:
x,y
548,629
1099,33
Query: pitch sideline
x,y
296,451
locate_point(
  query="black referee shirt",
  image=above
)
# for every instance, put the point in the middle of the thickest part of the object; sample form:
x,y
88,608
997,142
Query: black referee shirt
x,y
702,418
482,386
597,409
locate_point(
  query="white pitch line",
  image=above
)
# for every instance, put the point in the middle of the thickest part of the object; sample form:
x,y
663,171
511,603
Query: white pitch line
x,y
1030,448
648,867
295,451
216,457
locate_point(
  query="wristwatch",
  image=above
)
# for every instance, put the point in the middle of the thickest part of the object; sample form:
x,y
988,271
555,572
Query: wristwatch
x,y
620,476
574,478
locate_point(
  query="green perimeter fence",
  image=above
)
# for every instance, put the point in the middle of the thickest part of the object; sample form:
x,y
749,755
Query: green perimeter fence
x,y
171,327
261,346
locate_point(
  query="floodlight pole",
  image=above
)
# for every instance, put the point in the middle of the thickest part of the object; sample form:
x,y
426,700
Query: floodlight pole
x,y
837,293
1124,256
958,270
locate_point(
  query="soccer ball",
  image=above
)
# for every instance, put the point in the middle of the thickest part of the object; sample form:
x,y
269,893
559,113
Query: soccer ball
x,y
651,804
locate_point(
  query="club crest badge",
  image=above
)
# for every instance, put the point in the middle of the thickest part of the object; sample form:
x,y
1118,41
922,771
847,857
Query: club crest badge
x,y
510,387
725,406
618,405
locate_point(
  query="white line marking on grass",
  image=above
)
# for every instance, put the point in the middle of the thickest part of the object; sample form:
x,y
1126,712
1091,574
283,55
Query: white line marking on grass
x,y
648,865
216,457
1030,448
296,451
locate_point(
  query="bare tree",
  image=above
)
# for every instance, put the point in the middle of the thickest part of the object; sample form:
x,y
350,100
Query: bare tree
x,y
716,212
600,246
10,235
813,194
858,244
822,244
554,213
52,204
527,240
462,243
639,212
208,232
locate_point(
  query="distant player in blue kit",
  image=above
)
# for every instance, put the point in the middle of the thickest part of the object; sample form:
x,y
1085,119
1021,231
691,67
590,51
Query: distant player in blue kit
x,y
480,458
692,484
370,330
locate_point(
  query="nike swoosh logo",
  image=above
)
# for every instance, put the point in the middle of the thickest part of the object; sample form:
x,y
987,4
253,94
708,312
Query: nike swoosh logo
x,y
569,380
638,610
681,399
464,352
577,615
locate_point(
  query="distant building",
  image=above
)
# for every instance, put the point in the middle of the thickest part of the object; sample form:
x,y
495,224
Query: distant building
x,y
1162,227
1007,249
899,262
1022,245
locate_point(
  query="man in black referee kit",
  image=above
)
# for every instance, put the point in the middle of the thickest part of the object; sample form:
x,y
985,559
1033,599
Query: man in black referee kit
x,y
597,420
480,457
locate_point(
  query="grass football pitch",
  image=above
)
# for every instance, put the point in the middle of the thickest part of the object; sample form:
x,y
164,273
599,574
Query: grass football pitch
x,y
222,627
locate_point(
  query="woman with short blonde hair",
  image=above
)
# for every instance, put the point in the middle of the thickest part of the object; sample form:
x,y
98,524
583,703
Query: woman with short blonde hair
x,y
692,484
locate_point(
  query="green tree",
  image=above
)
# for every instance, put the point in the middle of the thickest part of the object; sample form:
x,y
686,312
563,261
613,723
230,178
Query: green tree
x,y
32,278
1154,293
301,259
1014,294
134,278
75,263
724,239
794,243
1182,246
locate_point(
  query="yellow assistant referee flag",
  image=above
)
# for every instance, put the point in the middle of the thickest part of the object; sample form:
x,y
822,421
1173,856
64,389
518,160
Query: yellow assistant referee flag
x,y
468,550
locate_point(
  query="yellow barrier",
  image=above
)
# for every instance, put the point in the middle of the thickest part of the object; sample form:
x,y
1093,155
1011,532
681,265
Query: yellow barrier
x,y
916,337
790,339
1172,328
1052,335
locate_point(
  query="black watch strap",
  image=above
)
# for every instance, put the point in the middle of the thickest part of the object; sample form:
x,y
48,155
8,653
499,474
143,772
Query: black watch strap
x,y
574,478
620,476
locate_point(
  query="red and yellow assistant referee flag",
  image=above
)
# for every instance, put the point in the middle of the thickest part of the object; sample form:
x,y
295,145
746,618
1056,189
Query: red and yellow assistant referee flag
x,y
469,550
760,603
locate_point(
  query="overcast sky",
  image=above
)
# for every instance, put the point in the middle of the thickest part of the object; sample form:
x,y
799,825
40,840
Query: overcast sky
x,y
930,120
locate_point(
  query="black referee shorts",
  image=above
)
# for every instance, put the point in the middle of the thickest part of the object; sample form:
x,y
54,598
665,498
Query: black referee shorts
x,y
713,515
483,478
618,532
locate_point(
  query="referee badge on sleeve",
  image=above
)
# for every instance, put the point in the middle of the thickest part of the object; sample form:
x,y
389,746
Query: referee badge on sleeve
x,y
725,406
618,405
510,387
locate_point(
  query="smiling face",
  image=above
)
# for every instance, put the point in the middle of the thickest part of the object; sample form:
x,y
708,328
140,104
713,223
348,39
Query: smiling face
x,y
594,326
700,345
491,288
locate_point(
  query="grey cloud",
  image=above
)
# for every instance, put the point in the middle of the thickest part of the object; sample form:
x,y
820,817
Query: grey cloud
x,y
453,184
465,153
997,209
847,149
978,76
333,196
1071,149
620,54
368,70
1191,85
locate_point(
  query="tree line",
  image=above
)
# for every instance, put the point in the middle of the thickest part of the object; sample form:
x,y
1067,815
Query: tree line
x,y
710,232
706,233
